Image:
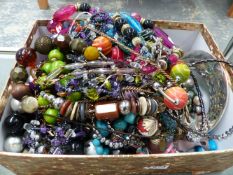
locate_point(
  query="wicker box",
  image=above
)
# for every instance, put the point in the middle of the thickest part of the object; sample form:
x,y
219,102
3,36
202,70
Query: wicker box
x,y
188,36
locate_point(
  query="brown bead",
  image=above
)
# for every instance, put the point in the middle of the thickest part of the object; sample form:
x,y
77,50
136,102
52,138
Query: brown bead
x,y
106,111
43,45
62,41
64,107
26,57
78,45
134,106
18,74
20,90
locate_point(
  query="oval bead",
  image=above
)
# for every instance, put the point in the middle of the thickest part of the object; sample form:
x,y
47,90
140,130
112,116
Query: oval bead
x,y
180,71
103,43
132,22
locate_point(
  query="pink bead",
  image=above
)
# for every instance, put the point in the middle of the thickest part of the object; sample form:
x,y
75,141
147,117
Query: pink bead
x,y
136,16
134,56
173,59
64,13
117,54
148,69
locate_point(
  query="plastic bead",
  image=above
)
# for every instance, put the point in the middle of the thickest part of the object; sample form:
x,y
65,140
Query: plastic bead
x,y
180,71
102,127
62,42
137,16
20,90
106,151
129,33
13,124
119,22
51,115
120,124
130,118
55,54
132,22
26,56
147,24
147,126
179,95
29,104
13,144
198,149
96,142
78,45
99,150
103,43
91,53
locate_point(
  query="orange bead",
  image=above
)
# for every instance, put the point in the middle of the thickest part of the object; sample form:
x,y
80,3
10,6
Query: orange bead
x,y
179,95
103,43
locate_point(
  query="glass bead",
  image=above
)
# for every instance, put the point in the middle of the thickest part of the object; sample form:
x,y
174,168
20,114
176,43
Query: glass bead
x,y
130,118
120,124
18,74
26,57
92,94
99,150
96,142
180,71
84,7
102,127
13,124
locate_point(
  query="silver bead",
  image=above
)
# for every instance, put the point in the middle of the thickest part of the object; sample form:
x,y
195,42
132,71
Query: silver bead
x,y
121,145
94,136
125,107
16,105
29,104
51,98
13,144
198,109
110,144
41,149
156,86
102,140
196,101
42,93
116,145
58,102
107,142
189,83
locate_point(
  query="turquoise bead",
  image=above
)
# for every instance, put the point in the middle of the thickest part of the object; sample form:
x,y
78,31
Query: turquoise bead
x,y
106,151
102,127
96,142
212,145
130,118
99,150
120,124
198,149
132,22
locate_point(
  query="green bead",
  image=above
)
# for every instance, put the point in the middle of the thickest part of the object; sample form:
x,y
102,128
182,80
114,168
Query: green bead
x,y
46,67
159,77
42,101
92,94
108,85
57,64
64,81
120,124
55,54
138,80
180,71
41,81
75,96
51,115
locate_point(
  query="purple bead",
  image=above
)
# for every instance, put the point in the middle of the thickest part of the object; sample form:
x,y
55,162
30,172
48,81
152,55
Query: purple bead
x,y
55,142
166,40
137,16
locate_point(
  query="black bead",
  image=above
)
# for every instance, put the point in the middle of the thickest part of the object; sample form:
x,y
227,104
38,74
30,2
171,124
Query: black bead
x,y
119,22
13,124
129,33
148,24
84,7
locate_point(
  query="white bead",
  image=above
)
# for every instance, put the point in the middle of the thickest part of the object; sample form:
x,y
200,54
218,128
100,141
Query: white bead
x,y
16,105
29,104
13,144
196,101
90,148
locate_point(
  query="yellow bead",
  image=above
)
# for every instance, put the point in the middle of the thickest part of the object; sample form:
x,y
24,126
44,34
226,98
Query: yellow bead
x,y
91,53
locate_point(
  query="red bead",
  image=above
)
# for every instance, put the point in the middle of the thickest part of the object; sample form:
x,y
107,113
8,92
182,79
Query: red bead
x,y
103,43
178,94
26,56
117,54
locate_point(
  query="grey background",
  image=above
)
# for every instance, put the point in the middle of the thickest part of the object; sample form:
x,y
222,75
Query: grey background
x,y
17,17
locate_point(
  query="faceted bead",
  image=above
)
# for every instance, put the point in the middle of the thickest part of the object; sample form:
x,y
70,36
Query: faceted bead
x,y
212,145
55,54
91,53
84,7
13,124
18,74
26,56
103,43
43,44
172,59
119,22
148,69
62,42
180,71
64,13
129,33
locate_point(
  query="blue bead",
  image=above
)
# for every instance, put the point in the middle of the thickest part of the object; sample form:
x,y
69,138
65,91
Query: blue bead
x,y
132,22
130,118
96,142
212,145
111,33
198,149
99,150
102,127
120,124
106,151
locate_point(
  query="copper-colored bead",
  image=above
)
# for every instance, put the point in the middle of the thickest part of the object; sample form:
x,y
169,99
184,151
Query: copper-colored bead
x,y
106,111
62,41
64,107
20,90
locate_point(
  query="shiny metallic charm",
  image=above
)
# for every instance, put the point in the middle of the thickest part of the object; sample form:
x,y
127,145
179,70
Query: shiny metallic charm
x,y
125,107
13,144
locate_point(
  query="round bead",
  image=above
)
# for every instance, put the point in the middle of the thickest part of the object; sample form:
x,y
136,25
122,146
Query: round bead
x,y
57,64
42,101
13,144
120,125
103,43
136,41
89,148
199,149
137,16
13,124
189,83
43,44
16,105
148,24
117,54
147,126
55,54
102,127
29,104
78,45
84,7
179,95
96,142
125,107
91,53
198,110
212,145
196,101
18,74
20,90
99,150
129,33
26,56
106,151
50,115
180,72
130,118
62,42
119,22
